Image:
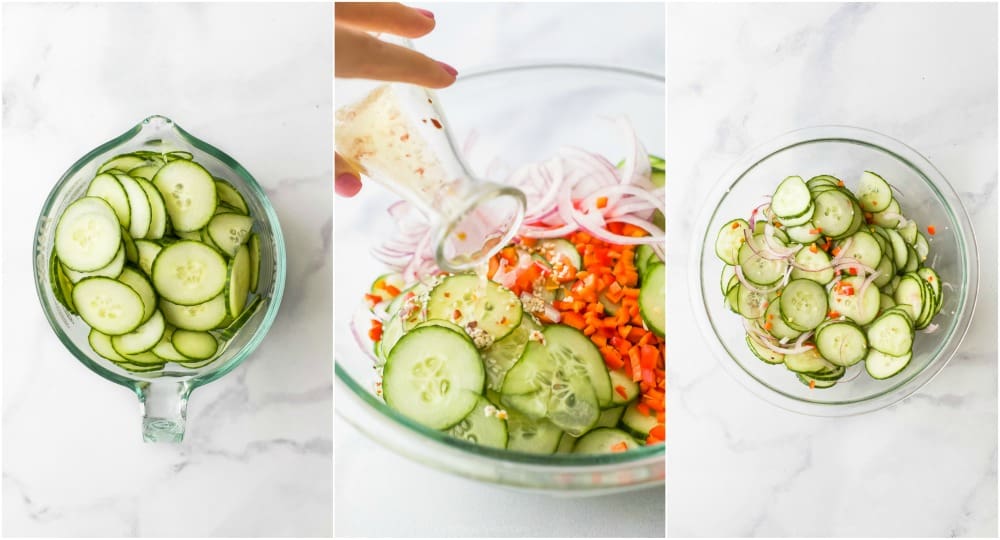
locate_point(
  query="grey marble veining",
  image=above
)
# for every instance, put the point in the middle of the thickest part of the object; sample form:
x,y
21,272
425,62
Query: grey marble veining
x,y
254,80
739,75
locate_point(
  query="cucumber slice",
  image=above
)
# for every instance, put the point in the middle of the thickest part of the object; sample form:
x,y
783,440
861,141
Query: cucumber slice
x,y
145,171
803,304
842,343
189,193
189,273
199,317
862,247
178,154
804,234
652,297
131,252
560,381
888,218
624,389
637,423
882,366
847,300
138,203
112,270
834,213
499,357
762,352
157,209
758,269
531,436
140,368
433,376
730,240
254,245
229,232
238,284
138,282
778,327
911,295
605,441
814,383
142,339
465,298
194,345
107,187
88,235
107,305
231,196
101,344
750,303
165,347
812,265
555,250
148,252
909,232
921,246
892,334
791,199
124,162
62,287
809,361
481,427
874,193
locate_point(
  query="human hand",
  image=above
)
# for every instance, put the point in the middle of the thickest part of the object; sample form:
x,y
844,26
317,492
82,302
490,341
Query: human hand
x,y
361,55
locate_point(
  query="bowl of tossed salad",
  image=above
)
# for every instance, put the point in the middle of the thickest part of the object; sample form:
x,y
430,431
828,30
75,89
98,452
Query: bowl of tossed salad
x,y
543,368
838,271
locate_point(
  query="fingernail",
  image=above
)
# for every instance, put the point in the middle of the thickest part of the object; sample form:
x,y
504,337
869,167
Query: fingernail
x,y
451,71
347,185
425,13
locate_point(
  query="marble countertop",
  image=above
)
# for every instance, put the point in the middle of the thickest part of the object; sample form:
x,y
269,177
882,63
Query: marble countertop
x,y
374,483
739,75
257,460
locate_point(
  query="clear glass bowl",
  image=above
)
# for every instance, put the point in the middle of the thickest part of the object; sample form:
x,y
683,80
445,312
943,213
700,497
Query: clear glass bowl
x,y
924,195
163,394
516,114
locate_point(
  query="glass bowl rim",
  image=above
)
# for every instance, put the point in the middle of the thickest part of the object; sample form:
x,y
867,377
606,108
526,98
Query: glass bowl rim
x,y
274,302
946,196
358,392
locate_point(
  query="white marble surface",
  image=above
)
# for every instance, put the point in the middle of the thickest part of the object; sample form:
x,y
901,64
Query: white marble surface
x,y
379,493
739,75
255,81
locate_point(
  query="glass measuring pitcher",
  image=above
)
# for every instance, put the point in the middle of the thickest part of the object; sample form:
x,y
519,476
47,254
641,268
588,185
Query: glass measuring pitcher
x,y
163,394
398,136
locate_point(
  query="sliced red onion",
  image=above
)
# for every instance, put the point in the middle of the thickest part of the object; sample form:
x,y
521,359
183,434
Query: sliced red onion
x,y
773,245
868,281
636,169
364,343
746,283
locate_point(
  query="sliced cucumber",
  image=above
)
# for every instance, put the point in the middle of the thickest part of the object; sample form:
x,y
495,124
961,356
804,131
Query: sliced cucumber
x,y
803,304
88,235
731,238
231,196
842,343
882,366
194,345
466,298
604,441
188,191
189,273
652,299
254,246
229,232
624,389
874,193
138,282
531,436
638,423
433,376
481,426
142,339
892,334
107,187
107,305
112,270
199,317
138,202
791,199
238,283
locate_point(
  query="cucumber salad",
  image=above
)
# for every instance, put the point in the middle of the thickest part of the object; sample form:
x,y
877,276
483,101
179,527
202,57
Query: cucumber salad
x,y
553,345
159,259
826,278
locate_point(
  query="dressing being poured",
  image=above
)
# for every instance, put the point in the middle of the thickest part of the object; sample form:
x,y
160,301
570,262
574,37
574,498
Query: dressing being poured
x,y
397,135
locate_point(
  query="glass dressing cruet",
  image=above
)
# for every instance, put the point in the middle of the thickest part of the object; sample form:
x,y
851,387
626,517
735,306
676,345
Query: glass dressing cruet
x,y
398,136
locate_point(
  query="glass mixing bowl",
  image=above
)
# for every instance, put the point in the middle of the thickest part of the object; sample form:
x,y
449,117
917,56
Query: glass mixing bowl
x,y
923,194
508,115
164,393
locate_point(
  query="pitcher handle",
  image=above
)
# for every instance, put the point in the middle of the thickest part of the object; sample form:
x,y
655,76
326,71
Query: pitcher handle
x,y
164,410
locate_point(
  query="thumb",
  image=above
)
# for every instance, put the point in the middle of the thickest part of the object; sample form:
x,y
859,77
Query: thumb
x,y
347,181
